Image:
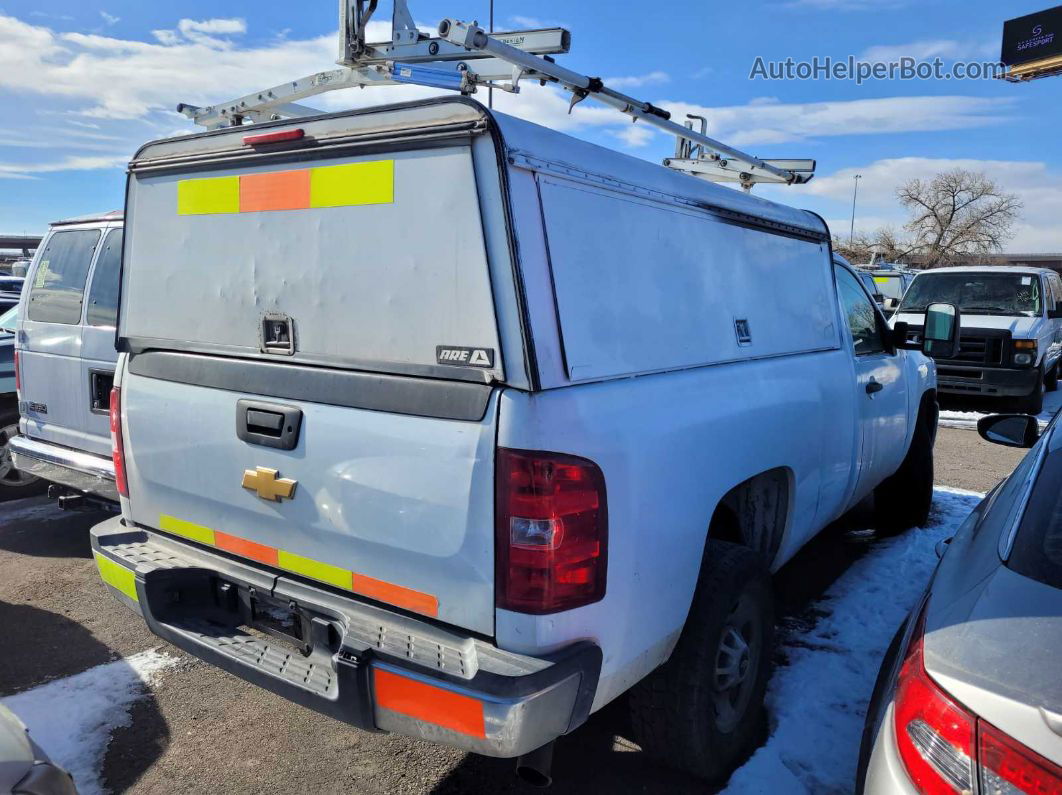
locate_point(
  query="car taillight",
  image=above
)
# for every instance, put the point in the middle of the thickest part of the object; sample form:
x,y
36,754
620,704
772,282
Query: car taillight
x,y
18,375
935,736
551,531
945,748
118,443
1009,768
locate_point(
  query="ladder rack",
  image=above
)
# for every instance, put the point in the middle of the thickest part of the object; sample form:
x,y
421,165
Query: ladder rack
x,y
463,57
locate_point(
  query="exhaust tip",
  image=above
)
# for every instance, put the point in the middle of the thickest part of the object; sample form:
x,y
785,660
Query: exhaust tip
x,y
533,776
535,767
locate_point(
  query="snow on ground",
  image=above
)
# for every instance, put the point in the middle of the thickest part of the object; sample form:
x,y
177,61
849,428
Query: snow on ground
x,y
818,700
968,419
72,718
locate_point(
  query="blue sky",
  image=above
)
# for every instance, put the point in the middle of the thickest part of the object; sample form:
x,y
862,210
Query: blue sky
x,y
82,85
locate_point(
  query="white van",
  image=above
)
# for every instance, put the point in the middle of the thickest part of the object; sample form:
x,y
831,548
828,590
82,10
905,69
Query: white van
x,y
1011,339
66,359
446,424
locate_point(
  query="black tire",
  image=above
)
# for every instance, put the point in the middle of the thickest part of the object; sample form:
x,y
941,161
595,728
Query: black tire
x,y
1034,403
683,714
903,500
1051,382
14,484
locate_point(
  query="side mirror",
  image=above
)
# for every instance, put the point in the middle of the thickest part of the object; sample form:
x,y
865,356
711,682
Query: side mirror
x,y
941,336
1009,430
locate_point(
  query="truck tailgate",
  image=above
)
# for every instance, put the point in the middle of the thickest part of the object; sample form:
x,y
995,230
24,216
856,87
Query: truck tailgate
x,y
391,506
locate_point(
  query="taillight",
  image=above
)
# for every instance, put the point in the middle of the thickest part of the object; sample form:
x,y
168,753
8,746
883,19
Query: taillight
x,y
1009,768
118,443
18,374
935,736
551,531
945,749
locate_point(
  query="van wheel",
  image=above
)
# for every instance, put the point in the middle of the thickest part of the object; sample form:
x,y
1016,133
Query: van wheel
x,y
903,500
1051,382
700,710
13,483
1034,403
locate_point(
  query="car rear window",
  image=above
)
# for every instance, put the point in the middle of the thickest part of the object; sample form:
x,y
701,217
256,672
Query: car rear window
x,y
59,281
1037,550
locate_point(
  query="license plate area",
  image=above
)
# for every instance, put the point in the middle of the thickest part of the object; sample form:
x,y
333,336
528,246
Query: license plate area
x,y
279,619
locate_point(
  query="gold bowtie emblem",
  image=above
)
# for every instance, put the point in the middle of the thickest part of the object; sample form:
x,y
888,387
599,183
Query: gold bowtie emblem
x,y
265,483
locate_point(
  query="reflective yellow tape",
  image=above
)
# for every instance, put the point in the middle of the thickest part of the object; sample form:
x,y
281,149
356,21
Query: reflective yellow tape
x,y
353,184
882,279
117,576
208,196
193,532
333,575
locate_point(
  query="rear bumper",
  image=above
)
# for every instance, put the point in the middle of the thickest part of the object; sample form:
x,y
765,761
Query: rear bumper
x,y
76,469
373,668
990,381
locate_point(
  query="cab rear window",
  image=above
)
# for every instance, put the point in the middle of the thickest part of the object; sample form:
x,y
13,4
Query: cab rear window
x,y
1037,551
58,288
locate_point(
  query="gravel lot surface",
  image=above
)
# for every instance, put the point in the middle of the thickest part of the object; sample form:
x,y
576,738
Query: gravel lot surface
x,y
200,730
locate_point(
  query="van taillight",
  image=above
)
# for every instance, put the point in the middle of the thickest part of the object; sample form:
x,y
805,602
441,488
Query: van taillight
x,y
946,749
551,523
18,375
118,443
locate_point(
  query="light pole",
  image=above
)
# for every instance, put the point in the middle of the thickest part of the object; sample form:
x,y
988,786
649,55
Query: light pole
x,y
490,88
855,192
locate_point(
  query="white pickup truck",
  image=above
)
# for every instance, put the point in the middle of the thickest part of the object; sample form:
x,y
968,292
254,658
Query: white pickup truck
x,y
445,424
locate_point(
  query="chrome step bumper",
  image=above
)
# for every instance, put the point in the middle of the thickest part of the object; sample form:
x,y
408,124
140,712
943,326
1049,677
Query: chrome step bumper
x,y
76,469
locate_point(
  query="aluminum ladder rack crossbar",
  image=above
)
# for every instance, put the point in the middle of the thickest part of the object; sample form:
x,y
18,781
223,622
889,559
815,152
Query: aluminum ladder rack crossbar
x,y
463,57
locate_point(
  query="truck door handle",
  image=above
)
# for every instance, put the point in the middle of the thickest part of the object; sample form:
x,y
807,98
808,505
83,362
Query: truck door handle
x,y
873,387
268,424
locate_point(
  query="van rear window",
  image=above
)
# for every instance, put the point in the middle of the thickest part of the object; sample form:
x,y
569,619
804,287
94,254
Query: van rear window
x,y
103,294
59,281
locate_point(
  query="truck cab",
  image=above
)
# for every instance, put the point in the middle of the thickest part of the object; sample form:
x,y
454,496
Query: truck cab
x,y
66,359
1011,337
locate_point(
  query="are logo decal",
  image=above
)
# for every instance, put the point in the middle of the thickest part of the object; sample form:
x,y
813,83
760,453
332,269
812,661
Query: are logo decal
x,y
464,357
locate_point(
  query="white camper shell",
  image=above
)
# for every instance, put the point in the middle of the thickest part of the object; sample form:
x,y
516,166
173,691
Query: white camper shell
x,y
343,336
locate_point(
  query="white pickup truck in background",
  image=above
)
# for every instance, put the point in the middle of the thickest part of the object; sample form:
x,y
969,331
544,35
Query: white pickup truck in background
x,y
479,427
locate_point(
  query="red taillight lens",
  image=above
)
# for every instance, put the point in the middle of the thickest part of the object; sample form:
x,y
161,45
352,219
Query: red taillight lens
x,y
551,531
935,736
18,375
118,443
274,138
1009,767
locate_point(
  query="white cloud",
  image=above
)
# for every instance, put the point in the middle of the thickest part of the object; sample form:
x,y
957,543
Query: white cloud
x,y
110,19
770,122
654,78
1039,188
74,163
635,135
945,49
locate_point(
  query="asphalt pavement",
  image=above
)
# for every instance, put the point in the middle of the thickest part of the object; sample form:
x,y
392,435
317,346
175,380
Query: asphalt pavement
x,y
201,730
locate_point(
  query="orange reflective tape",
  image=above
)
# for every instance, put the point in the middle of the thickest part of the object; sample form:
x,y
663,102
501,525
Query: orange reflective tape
x,y
396,595
430,704
279,190
245,549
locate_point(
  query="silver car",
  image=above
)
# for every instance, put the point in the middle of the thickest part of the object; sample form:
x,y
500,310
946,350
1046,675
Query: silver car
x,y
969,697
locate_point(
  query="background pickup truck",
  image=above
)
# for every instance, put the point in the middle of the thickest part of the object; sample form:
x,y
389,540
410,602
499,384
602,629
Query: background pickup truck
x,y
514,438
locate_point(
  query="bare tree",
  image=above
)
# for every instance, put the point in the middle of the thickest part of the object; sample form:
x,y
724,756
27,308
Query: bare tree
x,y
957,215
884,243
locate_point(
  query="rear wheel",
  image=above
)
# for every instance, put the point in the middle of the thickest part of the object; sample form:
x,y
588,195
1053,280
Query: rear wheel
x,y
904,499
14,484
700,710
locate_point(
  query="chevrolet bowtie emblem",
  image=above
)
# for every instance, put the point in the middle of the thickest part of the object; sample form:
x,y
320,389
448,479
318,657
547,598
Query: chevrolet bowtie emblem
x,y
265,483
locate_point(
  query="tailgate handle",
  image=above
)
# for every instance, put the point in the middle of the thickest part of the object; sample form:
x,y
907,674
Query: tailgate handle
x,y
268,424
